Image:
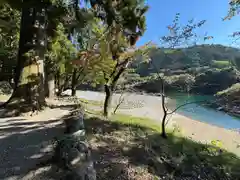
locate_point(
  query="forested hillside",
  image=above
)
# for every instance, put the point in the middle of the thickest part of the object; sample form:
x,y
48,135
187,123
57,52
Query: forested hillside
x,y
201,69
186,58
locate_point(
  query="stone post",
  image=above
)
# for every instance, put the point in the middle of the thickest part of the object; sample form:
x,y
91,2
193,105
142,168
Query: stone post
x,y
72,152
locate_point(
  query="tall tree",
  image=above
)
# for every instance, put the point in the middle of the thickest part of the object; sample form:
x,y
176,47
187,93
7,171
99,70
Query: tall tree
x,y
9,38
179,36
29,75
29,72
125,31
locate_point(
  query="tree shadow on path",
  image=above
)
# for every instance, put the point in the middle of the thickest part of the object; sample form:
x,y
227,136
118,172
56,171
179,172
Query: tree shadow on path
x,y
23,144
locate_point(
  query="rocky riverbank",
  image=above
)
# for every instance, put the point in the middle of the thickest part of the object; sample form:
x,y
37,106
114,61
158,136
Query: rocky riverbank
x,y
228,108
229,100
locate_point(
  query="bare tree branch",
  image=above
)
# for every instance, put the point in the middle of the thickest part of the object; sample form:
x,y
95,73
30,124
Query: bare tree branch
x,y
121,100
182,105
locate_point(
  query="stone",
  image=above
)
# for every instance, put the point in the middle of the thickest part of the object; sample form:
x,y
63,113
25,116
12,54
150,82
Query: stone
x,y
74,155
72,152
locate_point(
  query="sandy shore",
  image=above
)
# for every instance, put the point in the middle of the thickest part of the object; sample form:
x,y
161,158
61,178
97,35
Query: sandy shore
x,y
150,107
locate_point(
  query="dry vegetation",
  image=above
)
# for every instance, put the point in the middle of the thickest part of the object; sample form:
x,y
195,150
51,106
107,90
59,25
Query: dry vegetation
x,y
131,148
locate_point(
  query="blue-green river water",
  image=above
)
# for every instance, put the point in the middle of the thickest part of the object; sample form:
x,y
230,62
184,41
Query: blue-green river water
x,y
202,113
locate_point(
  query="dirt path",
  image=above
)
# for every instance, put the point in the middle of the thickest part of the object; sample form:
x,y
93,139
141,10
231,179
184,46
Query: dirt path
x,y
24,141
150,107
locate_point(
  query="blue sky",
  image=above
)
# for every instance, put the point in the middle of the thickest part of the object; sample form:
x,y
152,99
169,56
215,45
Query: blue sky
x,y
162,13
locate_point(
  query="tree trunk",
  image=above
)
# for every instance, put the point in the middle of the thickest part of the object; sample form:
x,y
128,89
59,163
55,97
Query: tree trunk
x,y
57,83
110,86
29,76
74,82
108,99
49,85
74,90
163,134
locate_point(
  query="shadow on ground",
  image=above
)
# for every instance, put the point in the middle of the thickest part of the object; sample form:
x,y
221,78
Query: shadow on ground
x,y
24,144
64,106
120,151
131,152
17,108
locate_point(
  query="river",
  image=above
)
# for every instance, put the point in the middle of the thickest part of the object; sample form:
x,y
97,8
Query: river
x,y
150,106
202,113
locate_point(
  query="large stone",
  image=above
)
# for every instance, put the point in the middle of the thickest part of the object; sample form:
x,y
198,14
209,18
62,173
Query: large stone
x,y
72,152
74,156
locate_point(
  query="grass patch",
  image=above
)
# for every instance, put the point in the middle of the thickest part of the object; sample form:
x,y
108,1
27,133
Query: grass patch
x,y
221,64
137,121
127,147
91,102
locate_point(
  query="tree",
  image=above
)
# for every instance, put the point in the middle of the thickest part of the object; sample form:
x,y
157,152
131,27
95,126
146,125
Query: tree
x,y
9,38
29,74
124,35
125,22
112,77
88,65
233,10
60,53
178,37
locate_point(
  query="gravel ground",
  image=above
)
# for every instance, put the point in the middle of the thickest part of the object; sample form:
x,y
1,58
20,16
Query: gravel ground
x,y
27,140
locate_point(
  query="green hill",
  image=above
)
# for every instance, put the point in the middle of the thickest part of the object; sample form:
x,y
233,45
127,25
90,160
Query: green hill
x,y
180,60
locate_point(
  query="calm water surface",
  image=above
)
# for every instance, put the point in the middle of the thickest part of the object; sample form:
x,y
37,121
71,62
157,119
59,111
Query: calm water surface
x,y
204,114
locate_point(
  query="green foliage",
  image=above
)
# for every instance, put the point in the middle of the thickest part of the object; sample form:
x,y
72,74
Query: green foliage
x,y
60,52
99,59
221,64
128,14
102,61
199,56
179,82
233,10
182,82
215,80
9,38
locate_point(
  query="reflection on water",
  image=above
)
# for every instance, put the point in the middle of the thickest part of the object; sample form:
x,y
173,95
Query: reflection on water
x,y
199,112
